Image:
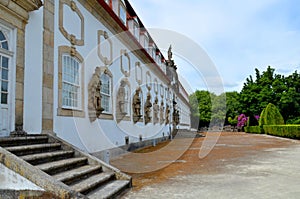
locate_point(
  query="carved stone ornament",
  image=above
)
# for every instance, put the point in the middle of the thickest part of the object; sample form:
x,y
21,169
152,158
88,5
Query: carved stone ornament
x,y
94,102
125,56
69,36
148,80
138,73
136,105
155,86
155,111
161,112
176,116
107,60
147,109
167,114
122,101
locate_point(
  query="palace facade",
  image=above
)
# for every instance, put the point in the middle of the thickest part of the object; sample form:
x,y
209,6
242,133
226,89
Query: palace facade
x,y
87,71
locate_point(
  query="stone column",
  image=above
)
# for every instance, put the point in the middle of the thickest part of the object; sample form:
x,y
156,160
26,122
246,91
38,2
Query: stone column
x,y
48,66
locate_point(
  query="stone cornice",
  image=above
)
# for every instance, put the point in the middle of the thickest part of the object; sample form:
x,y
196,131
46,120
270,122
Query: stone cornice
x,y
20,8
29,5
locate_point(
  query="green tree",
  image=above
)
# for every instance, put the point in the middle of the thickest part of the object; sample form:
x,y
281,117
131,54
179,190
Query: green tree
x,y
201,108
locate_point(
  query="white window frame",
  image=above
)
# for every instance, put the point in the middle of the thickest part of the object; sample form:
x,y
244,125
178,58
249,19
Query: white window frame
x,y
78,85
105,94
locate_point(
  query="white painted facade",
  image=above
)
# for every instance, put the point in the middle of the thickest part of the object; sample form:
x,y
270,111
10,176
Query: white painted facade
x,y
105,132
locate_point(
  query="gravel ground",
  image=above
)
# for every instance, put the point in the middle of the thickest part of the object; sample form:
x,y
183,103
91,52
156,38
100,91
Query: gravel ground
x,y
240,166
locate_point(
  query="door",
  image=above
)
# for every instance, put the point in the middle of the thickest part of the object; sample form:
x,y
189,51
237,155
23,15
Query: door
x,y
4,87
4,103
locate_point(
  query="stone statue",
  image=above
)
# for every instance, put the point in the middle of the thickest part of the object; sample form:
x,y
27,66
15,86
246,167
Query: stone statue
x,y
170,53
155,111
176,116
94,102
121,99
162,109
147,109
136,105
167,114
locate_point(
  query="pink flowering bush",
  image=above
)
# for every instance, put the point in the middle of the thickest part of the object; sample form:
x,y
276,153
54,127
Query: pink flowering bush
x,y
242,120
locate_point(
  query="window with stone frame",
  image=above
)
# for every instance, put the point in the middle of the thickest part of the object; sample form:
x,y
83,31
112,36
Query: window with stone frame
x,y
70,83
105,92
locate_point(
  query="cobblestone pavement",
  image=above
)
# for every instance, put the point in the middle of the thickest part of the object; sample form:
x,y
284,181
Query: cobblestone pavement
x,y
240,166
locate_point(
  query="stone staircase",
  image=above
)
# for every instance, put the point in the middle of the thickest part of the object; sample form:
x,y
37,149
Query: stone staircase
x,y
60,168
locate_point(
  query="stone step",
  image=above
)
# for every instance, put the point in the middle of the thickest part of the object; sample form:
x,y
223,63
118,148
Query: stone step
x,y
31,149
62,165
24,140
92,182
74,175
47,157
110,190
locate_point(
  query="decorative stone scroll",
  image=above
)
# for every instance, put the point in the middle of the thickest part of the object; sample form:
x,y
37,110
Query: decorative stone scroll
x,y
69,36
94,102
125,58
155,86
136,105
147,109
138,73
148,80
106,60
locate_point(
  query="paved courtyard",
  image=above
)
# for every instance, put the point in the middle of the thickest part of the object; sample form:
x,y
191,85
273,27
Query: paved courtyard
x,y
239,166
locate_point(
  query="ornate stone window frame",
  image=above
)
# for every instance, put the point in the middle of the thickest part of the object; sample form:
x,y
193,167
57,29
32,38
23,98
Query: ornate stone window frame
x,y
69,36
105,60
138,69
162,89
61,111
108,115
155,85
124,54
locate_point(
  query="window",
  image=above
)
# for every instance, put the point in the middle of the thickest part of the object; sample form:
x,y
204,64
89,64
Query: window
x,y
122,12
105,92
136,31
71,96
70,83
4,79
146,43
3,41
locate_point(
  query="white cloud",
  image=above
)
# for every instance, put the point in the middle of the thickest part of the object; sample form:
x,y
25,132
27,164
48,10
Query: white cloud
x,y
237,35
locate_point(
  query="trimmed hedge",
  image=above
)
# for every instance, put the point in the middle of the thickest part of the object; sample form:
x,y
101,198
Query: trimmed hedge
x,y
288,131
254,129
271,116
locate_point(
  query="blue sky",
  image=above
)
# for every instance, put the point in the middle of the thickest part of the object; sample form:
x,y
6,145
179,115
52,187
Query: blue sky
x,y
238,36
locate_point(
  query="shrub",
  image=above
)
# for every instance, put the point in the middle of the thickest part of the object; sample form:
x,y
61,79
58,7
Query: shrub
x,y
271,116
293,121
254,129
288,131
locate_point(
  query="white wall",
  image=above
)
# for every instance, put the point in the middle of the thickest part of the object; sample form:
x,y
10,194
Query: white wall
x,y
33,72
13,181
102,134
